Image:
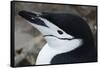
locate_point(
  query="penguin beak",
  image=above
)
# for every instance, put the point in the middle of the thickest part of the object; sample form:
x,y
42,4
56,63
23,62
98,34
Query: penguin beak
x,y
27,15
32,17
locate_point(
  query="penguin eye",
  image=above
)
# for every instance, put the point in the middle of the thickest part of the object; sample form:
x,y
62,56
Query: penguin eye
x,y
59,31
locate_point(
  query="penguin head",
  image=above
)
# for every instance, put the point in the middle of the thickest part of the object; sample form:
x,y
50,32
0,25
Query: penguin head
x,y
62,31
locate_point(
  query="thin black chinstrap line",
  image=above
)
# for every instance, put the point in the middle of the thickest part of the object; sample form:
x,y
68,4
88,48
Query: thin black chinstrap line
x,y
58,37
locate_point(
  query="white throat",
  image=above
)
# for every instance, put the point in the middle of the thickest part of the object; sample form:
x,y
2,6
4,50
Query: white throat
x,y
46,54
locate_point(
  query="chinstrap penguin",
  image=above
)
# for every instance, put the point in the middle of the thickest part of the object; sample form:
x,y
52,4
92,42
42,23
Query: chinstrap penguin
x,y
68,36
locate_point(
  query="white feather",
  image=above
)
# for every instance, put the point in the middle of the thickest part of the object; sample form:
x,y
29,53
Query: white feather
x,y
45,55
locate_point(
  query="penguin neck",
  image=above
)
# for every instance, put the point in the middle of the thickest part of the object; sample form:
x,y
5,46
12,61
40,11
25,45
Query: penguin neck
x,y
46,54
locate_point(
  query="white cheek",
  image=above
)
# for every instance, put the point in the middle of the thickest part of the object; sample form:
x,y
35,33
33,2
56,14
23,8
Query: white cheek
x,y
73,44
64,45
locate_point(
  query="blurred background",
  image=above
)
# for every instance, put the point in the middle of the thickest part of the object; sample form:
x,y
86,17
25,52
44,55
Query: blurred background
x,y
29,41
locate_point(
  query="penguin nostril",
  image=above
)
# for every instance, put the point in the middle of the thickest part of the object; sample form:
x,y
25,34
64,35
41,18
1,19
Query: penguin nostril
x,y
59,31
